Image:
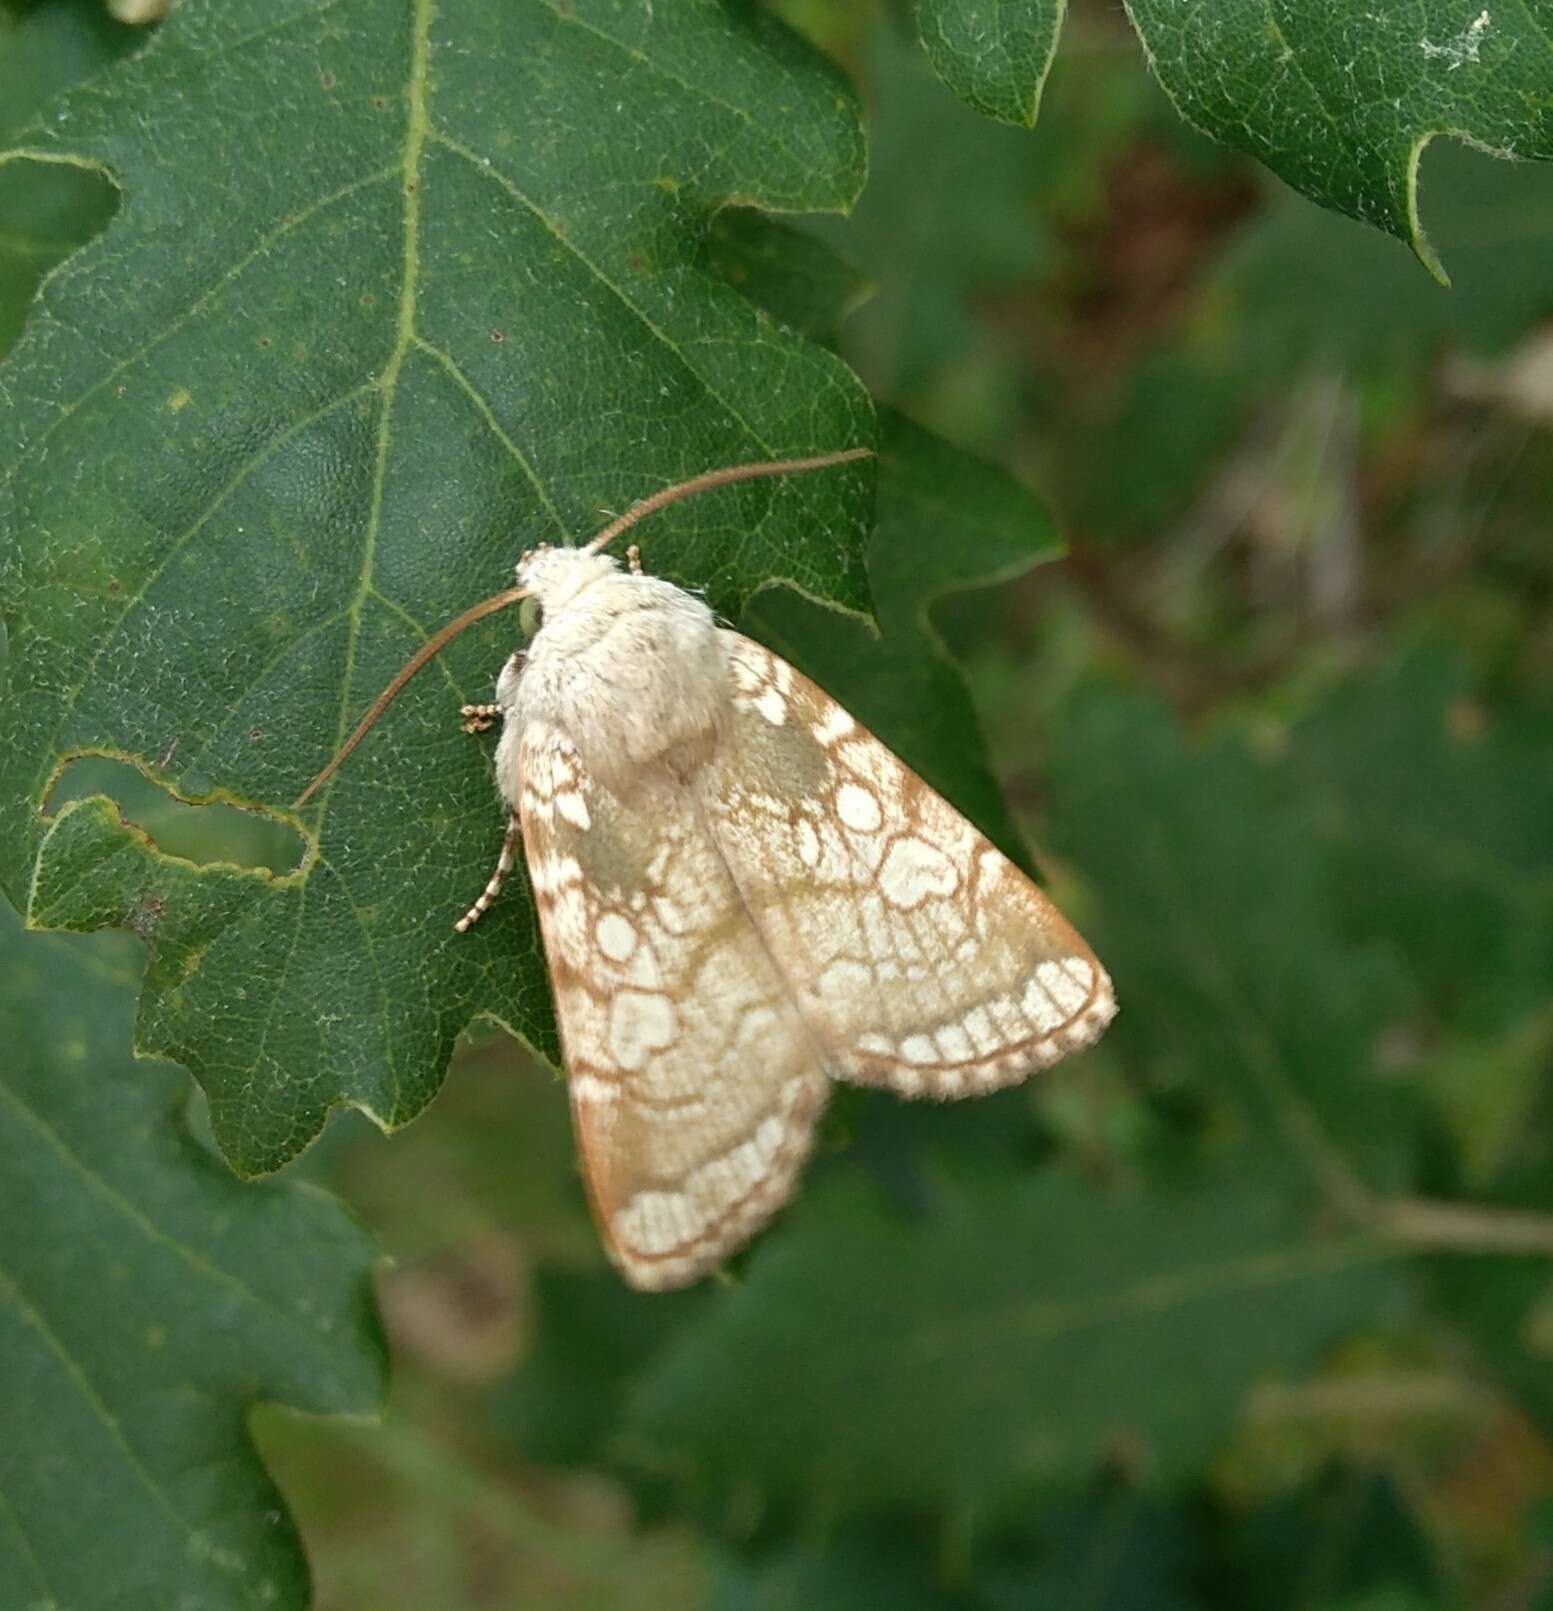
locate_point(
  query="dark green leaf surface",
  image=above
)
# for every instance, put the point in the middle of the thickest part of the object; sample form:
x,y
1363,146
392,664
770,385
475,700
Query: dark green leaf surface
x,y
936,246
1212,918
147,1302
1440,818
396,292
994,54
594,1336
864,1569
1339,97
1347,1540
794,277
1113,1550
1026,1329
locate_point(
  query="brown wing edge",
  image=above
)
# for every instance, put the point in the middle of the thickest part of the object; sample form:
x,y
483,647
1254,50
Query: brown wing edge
x,y
592,1096
726,1235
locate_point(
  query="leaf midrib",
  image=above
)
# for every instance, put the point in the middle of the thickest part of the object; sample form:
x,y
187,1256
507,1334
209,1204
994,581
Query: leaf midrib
x,y
857,1355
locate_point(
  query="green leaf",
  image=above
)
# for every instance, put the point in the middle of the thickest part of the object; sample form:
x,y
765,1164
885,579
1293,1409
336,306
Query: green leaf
x,y
1340,97
936,247
1114,1550
1027,1327
593,1337
47,210
994,54
1438,813
396,292
147,1302
1231,968
946,523
1348,1540
794,277
863,1569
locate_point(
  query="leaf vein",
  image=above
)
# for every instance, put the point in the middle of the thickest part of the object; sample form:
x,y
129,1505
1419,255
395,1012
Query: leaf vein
x,y
575,251
197,306
13,1517
34,1317
115,1199
70,699
488,414
416,130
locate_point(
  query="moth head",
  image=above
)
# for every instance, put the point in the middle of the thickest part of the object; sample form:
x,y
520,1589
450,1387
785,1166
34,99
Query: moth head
x,y
555,576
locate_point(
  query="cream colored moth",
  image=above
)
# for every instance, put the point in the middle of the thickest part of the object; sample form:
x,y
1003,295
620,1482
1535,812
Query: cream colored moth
x,y
743,896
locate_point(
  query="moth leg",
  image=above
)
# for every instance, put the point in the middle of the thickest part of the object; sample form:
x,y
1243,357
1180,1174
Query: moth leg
x,y
634,560
478,718
504,865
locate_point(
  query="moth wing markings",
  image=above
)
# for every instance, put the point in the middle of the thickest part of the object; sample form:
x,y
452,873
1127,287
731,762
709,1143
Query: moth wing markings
x,y
694,1082
922,958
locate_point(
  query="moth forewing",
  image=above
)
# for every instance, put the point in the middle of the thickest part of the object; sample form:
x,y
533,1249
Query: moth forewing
x,y
695,1085
919,956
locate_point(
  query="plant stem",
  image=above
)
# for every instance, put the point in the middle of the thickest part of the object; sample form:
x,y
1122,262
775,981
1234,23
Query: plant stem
x,y
1465,1227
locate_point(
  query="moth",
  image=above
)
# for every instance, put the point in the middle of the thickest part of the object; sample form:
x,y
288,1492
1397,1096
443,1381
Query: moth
x,y
743,896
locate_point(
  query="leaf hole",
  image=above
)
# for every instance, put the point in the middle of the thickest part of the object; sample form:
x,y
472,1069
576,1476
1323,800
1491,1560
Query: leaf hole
x,y
202,834
50,210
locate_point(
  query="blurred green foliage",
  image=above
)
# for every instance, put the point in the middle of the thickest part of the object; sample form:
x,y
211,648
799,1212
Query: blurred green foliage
x,y
1253,1306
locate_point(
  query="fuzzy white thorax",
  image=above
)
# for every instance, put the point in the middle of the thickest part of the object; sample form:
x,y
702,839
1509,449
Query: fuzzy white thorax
x,y
630,668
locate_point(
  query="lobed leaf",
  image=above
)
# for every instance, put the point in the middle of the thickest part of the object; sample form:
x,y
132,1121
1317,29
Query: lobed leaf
x,y
1337,97
147,1302
1028,1328
994,54
1340,97
396,291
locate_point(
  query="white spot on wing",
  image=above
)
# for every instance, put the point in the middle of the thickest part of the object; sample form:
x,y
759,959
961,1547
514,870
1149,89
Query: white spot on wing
x,y
1040,1009
656,1222
954,1044
573,808
670,916
835,723
772,706
913,870
978,1025
590,1088
1062,987
845,980
616,937
858,808
640,1023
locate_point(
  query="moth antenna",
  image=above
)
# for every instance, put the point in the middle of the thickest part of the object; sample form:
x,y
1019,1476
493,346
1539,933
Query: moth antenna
x,y
428,651
498,601
717,478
